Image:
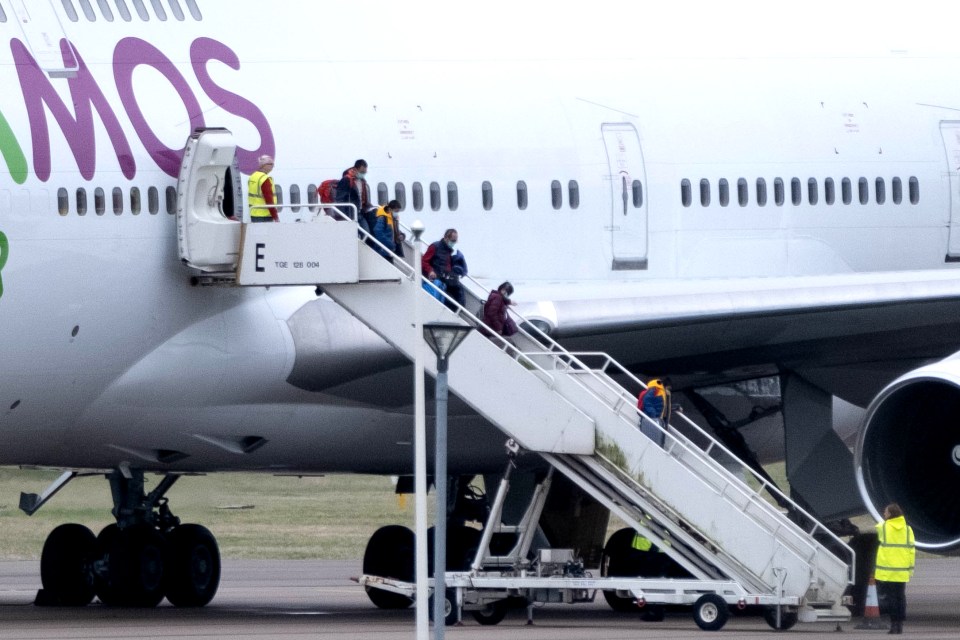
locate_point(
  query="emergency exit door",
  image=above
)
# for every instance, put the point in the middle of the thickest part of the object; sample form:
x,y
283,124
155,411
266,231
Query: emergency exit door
x,y
950,131
628,202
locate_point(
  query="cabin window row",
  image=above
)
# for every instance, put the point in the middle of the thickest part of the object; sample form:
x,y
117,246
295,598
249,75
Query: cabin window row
x,y
99,203
435,195
111,10
811,191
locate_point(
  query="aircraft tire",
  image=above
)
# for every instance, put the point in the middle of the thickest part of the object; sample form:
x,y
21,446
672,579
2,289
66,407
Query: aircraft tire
x,y
192,575
390,554
136,562
616,555
65,565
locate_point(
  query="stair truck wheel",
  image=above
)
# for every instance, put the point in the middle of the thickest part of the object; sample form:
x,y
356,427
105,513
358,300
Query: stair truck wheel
x,y
710,612
787,618
64,566
492,614
193,574
449,607
390,554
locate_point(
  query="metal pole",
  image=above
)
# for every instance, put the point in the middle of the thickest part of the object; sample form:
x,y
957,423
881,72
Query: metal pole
x,y
440,483
420,452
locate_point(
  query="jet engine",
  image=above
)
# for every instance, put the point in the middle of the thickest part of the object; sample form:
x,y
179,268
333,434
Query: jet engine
x,y
908,451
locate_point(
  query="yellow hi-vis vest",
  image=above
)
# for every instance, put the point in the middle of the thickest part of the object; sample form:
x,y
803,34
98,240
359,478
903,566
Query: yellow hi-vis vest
x,y
255,194
896,554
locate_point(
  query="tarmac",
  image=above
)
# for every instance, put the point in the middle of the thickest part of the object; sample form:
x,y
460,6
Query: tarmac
x,y
293,599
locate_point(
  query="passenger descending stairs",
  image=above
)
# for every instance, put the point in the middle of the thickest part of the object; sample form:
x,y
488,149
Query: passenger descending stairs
x,y
693,498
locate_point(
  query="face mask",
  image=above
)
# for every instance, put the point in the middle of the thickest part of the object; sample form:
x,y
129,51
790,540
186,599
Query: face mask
x,y
451,244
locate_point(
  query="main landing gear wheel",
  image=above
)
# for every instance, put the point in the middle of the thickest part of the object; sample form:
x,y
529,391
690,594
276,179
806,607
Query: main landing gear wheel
x,y
616,561
135,563
390,554
710,612
492,614
787,618
65,566
193,567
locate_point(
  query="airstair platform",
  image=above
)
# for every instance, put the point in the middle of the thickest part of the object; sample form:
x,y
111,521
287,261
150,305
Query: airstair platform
x,y
690,496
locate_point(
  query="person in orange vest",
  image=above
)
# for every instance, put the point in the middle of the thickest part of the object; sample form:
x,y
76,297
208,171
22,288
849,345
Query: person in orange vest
x,y
896,557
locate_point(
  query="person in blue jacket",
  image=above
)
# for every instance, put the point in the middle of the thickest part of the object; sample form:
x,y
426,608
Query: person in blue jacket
x,y
385,228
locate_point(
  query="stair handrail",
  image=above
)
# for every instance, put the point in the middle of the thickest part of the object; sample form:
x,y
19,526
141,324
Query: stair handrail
x,y
557,352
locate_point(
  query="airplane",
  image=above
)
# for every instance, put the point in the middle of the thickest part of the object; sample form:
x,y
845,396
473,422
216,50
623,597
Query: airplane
x,y
726,200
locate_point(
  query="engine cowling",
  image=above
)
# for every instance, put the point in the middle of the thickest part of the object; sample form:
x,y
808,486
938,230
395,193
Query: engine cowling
x,y
908,451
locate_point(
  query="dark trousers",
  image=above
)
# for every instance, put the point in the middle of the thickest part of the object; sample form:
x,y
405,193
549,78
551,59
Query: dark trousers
x,y
896,597
261,219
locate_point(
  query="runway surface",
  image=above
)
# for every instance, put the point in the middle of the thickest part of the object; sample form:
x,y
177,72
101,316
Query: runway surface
x,y
315,599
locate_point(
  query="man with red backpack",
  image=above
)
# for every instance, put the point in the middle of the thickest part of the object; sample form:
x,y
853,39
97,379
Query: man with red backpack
x,y
353,187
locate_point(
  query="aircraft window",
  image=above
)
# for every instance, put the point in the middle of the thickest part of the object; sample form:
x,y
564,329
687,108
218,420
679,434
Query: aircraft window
x,y
161,13
88,10
106,10
99,201
117,197
881,190
153,200
829,191
142,12
795,196
846,191
521,195
135,200
685,196
67,6
724,192
573,193
864,191
177,11
452,197
400,195
761,192
278,193
486,192
897,191
81,202
295,197
778,191
813,191
417,196
171,200
194,9
637,194
313,197
704,192
434,196
63,200
742,195
122,8
383,193
556,194
914,190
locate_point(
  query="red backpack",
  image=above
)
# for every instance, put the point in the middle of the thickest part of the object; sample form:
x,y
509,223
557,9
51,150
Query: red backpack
x,y
328,190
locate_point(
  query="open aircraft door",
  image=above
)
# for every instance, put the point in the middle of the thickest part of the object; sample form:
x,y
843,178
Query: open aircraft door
x,y
209,202
950,131
628,223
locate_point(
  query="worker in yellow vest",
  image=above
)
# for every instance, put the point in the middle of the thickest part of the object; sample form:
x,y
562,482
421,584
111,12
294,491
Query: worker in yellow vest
x,y
896,557
260,191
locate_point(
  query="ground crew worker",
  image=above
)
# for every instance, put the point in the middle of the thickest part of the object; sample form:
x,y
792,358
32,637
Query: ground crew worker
x,y
260,191
896,557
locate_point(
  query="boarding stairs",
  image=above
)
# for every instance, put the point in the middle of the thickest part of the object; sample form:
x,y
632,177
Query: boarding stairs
x,y
693,498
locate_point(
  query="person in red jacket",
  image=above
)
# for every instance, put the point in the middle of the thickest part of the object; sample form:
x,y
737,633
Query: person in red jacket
x,y
496,315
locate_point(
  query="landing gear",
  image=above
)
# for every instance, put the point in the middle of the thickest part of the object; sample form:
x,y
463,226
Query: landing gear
x,y
65,566
145,556
390,554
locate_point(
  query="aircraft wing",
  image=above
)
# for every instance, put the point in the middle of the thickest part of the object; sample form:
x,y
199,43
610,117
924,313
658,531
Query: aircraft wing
x,y
849,333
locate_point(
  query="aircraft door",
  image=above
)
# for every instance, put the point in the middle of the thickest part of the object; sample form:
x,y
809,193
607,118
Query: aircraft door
x,y
628,222
950,131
